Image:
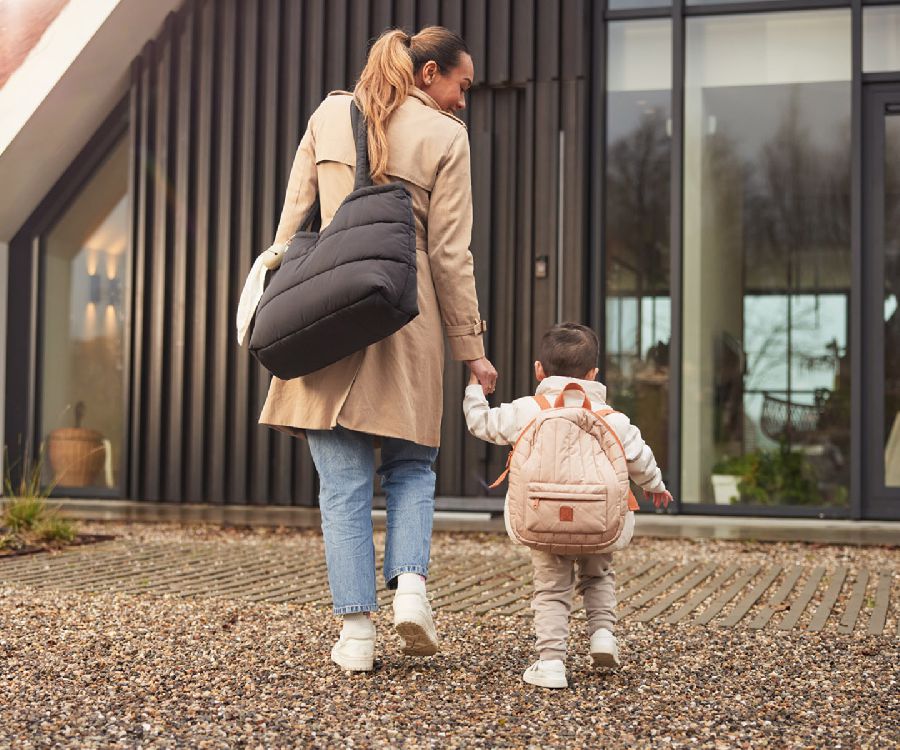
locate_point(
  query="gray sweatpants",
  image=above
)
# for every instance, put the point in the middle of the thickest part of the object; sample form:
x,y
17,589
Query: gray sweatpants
x,y
554,581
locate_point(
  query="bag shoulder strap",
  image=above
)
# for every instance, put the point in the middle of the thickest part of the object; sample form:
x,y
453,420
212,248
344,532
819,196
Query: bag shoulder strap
x,y
360,134
363,178
542,402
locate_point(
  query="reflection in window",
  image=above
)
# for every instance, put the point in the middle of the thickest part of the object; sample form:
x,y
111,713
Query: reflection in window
x,y
767,258
632,4
85,265
637,225
881,39
891,289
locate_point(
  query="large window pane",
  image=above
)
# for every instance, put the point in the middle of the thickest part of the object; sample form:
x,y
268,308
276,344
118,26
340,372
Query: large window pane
x,y
632,4
881,39
719,2
891,291
767,258
638,308
85,265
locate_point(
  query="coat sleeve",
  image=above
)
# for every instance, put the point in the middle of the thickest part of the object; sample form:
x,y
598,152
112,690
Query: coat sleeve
x,y
501,425
642,466
301,193
452,266
302,188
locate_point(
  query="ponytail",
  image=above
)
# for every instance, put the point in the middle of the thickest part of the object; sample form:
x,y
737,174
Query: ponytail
x,y
389,76
383,86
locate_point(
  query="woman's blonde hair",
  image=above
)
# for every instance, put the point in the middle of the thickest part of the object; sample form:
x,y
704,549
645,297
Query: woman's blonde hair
x,y
389,75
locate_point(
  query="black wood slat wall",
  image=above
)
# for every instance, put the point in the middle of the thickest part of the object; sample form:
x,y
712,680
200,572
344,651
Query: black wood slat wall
x,y
218,104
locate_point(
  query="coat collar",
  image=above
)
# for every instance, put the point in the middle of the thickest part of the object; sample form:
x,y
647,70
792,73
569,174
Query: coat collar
x,y
428,101
554,385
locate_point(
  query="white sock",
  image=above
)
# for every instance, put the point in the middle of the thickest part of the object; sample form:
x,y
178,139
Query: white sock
x,y
358,625
410,582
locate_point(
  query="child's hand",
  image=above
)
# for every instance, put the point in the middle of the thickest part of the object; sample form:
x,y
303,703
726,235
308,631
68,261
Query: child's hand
x,y
473,379
661,498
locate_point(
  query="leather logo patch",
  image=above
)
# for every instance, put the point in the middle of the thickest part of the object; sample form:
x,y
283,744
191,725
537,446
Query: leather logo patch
x,y
566,513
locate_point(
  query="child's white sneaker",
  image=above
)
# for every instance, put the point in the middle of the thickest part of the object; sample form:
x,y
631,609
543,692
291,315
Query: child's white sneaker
x,y
355,648
412,617
548,673
604,648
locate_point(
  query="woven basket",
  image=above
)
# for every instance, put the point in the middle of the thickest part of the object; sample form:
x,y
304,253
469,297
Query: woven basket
x,y
76,456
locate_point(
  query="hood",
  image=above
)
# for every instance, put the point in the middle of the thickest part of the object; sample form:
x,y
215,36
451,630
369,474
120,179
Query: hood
x,y
554,385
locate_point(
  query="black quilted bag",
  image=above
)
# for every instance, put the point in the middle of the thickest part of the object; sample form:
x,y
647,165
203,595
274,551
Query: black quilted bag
x,y
338,291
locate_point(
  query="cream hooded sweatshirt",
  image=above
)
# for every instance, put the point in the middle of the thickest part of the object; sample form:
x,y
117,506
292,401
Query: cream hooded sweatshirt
x,y
503,424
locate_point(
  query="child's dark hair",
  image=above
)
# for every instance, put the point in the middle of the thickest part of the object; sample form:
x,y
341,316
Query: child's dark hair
x,y
569,349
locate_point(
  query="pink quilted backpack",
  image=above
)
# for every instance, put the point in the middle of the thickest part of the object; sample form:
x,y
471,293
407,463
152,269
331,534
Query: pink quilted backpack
x,y
569,491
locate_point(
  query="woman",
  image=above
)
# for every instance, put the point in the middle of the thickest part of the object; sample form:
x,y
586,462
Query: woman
x,y
390,394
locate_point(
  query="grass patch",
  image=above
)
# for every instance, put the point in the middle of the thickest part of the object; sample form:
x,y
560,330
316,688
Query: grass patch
x,y
22,514
26,519
55,530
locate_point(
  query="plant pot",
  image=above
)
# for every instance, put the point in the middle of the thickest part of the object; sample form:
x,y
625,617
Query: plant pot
x,y
76,456
725,488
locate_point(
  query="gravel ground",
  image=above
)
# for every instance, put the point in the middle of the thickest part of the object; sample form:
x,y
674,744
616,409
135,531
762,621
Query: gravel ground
x,y
122,671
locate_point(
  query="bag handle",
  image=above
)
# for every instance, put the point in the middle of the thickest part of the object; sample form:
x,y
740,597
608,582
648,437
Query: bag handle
x,y
313,219
561,401
360,135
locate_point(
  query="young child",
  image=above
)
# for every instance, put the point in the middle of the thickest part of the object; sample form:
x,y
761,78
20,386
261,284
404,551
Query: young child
x,y
569,353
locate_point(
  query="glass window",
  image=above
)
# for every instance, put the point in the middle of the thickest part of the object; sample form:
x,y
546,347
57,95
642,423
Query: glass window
x,y
638,149
632,4
85,267
891,288
881,39
718,2
767,259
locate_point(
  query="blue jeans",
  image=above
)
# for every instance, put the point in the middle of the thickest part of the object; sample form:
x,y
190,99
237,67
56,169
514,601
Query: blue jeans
x,y
345,461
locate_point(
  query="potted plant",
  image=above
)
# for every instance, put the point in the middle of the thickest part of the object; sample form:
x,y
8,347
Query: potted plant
x,y
76,453
726,478
775,477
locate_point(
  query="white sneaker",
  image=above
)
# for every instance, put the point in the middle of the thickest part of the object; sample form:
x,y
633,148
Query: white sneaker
x,y
412,617
550,673
355,649
604,649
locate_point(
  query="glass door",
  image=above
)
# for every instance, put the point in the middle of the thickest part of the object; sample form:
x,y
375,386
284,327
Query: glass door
x,y
881,323
85,265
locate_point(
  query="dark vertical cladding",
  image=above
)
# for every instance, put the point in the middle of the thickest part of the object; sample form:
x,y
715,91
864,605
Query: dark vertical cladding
x,y
498,48
222,339
246,184
475,32
178,298
156,342
262,484
203,239
143,206
219,102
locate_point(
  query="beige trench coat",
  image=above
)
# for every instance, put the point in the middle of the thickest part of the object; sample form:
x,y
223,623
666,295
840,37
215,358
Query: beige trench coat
x,y
394,387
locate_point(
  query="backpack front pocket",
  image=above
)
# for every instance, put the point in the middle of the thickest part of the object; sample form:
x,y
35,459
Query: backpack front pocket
x,y
565,509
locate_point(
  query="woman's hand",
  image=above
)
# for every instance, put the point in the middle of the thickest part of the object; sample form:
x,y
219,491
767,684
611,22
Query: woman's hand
x,y
483,372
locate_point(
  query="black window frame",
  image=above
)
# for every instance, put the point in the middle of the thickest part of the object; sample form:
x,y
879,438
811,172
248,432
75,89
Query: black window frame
x,y
678,11
28,267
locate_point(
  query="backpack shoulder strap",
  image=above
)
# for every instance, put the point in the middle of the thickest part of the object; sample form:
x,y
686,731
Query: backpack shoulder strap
x,y
542,402
601,415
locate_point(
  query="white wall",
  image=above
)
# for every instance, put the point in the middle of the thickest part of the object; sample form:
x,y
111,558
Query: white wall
x,y
62,92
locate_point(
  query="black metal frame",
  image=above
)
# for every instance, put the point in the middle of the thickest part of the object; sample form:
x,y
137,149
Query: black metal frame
x,y
231,81
879,501
860,489
27,247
